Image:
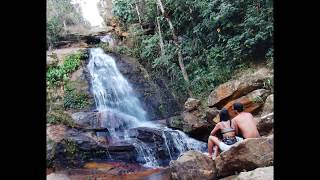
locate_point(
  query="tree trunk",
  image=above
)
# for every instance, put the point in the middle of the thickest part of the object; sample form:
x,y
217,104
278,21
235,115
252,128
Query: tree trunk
x,y
137,9
160,36
175,40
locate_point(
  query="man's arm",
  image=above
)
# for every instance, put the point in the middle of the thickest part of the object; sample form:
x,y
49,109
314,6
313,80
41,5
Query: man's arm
x,y
215,129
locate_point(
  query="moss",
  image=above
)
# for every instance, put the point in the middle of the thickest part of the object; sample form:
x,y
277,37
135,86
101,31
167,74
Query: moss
x,y
75,99
268,83
70,148
258,100
162,108
177,122
51,157
60,117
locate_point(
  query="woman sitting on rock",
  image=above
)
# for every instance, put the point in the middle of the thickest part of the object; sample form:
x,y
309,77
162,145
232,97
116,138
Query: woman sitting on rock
x,y
227,128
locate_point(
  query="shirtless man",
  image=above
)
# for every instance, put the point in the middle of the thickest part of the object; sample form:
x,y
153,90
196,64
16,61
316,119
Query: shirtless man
x,y
244,122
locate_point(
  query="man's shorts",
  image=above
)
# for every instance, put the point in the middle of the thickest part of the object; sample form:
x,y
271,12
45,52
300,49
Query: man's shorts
x,y
225,147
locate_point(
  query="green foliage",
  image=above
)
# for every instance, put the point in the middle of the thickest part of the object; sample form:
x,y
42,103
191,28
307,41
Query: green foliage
x,y
124,10
54,28
216,37
70,148
269,57
268,84
60,73
123,50
74,99
258,100
60,117
177,122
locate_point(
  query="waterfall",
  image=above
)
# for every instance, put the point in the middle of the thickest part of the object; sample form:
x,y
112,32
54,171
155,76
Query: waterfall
x,y
120,110
116,102
90,11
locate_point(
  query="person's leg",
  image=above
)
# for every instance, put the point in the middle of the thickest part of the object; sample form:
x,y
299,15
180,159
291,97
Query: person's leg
x,y
210,147
216,151
212,140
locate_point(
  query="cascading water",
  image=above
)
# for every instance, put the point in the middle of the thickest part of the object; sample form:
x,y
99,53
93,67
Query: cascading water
x,y
118,107
120,110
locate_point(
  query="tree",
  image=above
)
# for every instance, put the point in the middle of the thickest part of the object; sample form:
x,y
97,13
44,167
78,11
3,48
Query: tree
x,y
175,40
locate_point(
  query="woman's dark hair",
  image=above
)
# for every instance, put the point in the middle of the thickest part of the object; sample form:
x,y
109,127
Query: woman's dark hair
x,y
238,107
224,115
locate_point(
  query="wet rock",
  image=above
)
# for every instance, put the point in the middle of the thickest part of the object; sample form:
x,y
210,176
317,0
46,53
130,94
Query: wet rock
x,y
87,120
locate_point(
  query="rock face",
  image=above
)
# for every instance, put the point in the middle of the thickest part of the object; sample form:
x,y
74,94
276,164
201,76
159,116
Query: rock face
x,y
193,165
211,113
265,124
194,120
268,106
56,133
87,120
191,104
196,125
154,96
175,122
265,173
247,155
72,147
236,88
252,101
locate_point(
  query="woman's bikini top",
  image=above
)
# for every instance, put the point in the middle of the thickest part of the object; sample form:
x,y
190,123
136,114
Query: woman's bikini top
x,y
226,130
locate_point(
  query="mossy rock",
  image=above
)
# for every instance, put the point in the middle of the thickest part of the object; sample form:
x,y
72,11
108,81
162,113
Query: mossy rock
x,y
175,122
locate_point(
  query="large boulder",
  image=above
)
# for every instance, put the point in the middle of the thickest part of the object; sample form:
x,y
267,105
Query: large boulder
x,y
196,125
265,173
211,114
87,120
265,124
247,155
252,102
268,105
191,104
193,165
194,120
239,87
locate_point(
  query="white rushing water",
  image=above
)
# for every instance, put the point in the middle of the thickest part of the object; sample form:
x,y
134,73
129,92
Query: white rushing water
x,y
120,110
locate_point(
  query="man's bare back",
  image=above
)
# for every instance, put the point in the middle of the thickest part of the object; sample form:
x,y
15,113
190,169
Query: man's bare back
x,y
246,124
